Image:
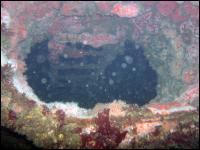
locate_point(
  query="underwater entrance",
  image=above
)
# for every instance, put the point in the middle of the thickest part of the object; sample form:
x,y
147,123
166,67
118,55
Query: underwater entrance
x,y
88,75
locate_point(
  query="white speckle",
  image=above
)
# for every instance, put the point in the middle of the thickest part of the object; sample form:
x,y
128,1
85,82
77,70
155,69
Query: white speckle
x,y
65,56
137,46
5,18
81,64
113,74
13,64
194,3
4,59
111,82
101,73
69,81
133,69
123,65
85,42
88,130
70,108
192,126
75,18
128,59
86,85
44,80
179,2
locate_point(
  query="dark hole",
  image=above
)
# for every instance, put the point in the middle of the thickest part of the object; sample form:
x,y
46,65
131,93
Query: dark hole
x,y
89,79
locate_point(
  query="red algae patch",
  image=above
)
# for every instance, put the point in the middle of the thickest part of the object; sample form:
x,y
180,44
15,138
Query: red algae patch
x,y
128,10
166,8
170,107
106,136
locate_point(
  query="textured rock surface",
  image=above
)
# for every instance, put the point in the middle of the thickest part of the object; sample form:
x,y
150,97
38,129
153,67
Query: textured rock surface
x,y
169,32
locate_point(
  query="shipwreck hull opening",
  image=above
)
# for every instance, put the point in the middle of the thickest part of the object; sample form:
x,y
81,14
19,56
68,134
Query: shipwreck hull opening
x,y
104,53
88,75
74,73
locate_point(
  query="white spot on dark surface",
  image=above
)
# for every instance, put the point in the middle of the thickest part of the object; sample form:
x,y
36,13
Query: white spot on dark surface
x,y
113,74
44,80
137,46
65,56
133,69
81,64
123,65
128,59
111,82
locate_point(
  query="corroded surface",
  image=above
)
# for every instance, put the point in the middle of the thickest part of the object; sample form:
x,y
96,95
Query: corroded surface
x,y
133,128
169,31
